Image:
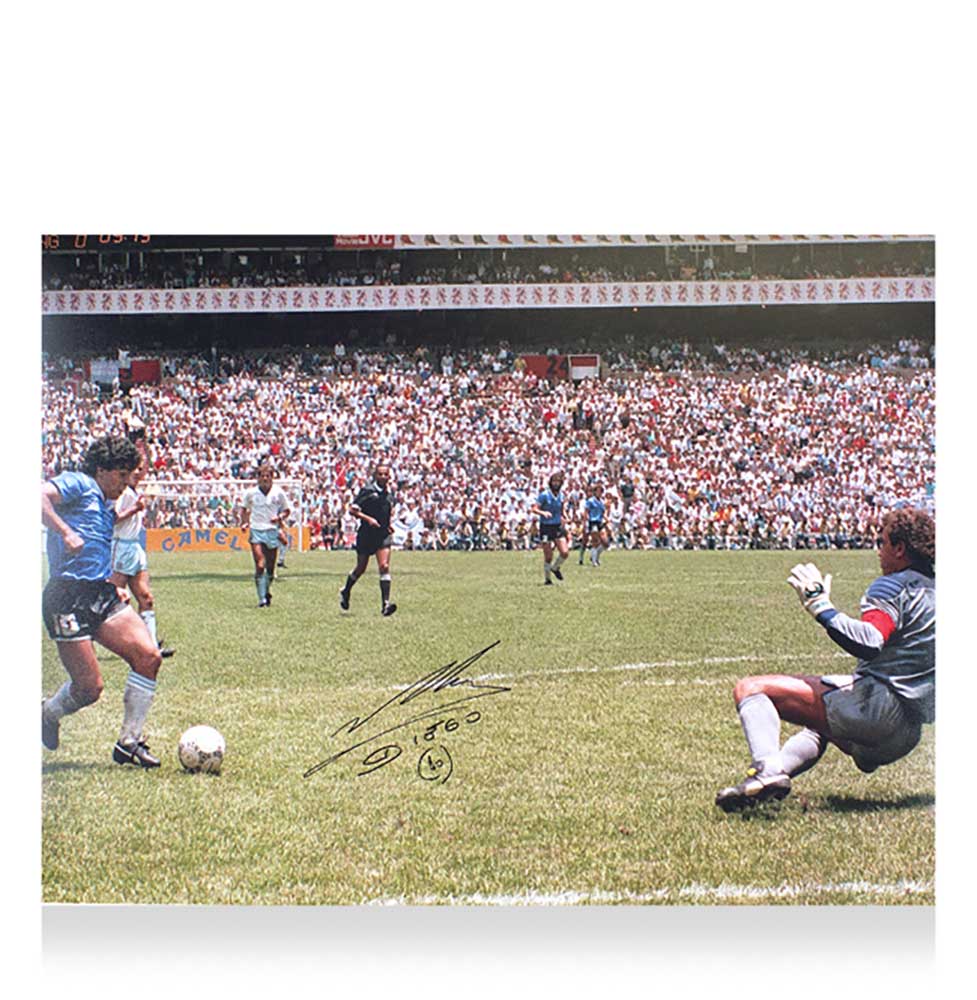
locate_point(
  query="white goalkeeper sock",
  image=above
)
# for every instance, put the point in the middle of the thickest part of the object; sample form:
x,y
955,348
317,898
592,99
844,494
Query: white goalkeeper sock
x,y
138,697
802,751
761,726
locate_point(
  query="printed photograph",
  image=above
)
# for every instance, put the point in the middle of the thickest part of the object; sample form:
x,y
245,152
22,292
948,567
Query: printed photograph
x,y
488,570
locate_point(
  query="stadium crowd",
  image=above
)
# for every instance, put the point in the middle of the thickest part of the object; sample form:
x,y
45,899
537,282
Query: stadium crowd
x,y
697,447
215,269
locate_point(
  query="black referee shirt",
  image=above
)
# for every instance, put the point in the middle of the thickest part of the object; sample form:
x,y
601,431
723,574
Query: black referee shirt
x,y
378,504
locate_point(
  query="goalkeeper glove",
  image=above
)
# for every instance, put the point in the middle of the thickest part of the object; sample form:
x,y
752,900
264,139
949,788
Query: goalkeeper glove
x,y
813,589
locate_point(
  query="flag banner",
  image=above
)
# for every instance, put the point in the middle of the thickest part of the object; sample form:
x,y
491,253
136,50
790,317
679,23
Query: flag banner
x,y
426,242
102,370
385,298
145,370
584,366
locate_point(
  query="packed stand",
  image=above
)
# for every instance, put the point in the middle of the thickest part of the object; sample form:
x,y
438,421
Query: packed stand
x,y
703,448
264,269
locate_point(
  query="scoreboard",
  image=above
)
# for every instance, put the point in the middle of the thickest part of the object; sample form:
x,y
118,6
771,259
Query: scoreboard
x,y
82,243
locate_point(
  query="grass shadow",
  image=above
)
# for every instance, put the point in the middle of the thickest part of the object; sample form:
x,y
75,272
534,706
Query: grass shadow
x,y
768,812
207,577
853,804
56,767
289,574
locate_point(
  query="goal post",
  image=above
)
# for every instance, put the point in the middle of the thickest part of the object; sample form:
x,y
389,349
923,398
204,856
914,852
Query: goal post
x,y
201,504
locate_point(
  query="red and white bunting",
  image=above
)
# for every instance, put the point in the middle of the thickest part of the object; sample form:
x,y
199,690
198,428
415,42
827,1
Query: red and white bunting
x,y
385,298
461,242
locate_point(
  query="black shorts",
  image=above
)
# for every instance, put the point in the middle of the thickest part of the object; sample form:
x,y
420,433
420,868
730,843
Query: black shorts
x,y
370,544
551,532
595,525
74,609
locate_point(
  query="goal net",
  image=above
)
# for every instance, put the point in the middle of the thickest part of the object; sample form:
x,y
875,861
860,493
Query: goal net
x,y
195,504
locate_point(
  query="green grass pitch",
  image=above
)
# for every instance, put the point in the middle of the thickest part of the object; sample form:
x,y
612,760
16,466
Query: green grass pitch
x,y
590,780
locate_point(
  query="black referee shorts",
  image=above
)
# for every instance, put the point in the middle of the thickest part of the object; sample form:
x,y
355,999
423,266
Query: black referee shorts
x,y
369,544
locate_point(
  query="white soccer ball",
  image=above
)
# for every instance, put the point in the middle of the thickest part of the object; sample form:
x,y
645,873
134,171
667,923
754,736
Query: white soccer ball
x,y
201,748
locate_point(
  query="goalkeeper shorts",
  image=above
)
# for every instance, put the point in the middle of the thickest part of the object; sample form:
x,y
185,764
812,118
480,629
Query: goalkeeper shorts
x,y
871,719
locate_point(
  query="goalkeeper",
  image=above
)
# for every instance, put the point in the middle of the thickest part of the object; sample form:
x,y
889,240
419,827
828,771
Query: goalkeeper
x,y
876,714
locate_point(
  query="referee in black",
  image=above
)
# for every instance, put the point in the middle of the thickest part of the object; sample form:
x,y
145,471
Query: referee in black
x,y
373,506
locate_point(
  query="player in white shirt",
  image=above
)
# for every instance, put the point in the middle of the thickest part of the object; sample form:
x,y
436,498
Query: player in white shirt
x,y
130,568
265,512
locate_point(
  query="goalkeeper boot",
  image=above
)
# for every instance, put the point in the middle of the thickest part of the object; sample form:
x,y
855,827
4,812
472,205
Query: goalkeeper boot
x,y
134,752
50,730
756,788
344,600
388,609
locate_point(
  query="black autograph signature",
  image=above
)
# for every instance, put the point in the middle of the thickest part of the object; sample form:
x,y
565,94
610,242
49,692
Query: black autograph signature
x,y
432,765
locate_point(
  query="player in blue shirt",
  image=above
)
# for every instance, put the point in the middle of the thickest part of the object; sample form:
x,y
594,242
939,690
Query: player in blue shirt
x,y
595,533
876,714
549,510
80,604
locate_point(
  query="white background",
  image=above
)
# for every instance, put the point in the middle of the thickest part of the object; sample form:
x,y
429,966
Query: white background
x,y
503,117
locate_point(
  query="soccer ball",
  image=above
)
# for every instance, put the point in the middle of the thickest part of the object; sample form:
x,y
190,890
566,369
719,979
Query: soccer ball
x,y
201,748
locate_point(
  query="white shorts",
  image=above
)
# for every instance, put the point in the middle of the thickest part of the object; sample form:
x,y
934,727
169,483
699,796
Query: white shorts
x,y
128,557
268,537
872,718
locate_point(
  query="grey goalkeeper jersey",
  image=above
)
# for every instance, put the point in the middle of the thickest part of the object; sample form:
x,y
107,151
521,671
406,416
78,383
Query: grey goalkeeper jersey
x,y
895,640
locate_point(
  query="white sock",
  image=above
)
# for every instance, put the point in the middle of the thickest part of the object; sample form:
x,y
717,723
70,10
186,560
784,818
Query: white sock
x,y
138,697
546,570
149,617
802,751
761,727
61,704
558,561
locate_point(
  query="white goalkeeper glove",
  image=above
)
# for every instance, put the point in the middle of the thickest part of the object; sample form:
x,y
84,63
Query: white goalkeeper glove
x,y
813,589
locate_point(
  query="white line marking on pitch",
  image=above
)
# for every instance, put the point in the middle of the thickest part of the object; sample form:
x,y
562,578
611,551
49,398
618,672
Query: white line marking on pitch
x,y
690,893
708,661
